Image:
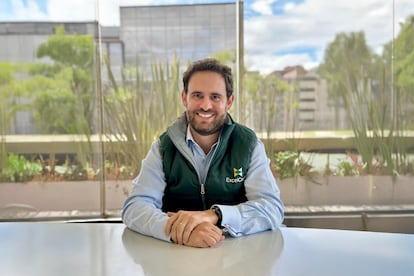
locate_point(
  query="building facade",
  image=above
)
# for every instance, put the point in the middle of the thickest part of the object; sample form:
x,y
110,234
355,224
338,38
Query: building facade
x,y
155,34
314,109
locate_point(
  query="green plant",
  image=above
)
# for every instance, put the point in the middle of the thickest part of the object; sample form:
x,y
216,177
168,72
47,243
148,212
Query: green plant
x,y
345,168
138,110
19,169
289,164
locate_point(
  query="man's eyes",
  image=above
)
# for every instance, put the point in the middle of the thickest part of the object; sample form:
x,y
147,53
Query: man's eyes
x,y
197,95
212,97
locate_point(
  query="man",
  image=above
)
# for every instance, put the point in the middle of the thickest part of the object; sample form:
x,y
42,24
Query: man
x,y
206,175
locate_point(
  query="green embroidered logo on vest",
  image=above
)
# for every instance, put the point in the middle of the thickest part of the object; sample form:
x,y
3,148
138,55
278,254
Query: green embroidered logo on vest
x,y
238,172
237,176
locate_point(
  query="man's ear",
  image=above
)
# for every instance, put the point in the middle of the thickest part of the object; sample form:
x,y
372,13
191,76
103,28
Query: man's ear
x,y
184,98
230,102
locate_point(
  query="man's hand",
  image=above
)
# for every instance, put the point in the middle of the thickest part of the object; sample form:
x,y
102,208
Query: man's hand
x,y
180,225
205,235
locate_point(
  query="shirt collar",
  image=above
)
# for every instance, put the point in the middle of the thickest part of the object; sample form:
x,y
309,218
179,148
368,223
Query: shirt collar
x,y
189,136
190,140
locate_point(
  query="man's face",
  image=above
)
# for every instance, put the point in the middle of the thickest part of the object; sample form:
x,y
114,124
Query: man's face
x,y
206,102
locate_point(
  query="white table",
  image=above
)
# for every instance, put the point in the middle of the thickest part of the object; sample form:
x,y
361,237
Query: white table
x,y
111,249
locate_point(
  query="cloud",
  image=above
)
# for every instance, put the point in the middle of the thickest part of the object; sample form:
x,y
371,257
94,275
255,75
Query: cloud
x,y
73,10
267,63
22,10
263,7
314,24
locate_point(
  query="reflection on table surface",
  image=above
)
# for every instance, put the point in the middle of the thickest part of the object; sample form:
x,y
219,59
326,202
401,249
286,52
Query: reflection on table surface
x,y
111,249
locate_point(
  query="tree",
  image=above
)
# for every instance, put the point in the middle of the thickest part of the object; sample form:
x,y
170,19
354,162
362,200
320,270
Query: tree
x,y
404,71
361,80
6,76
264,95
10,91
5,79
55,103
73,70
346,60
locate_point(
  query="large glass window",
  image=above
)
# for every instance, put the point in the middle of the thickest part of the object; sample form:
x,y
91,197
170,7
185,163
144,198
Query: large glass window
x,y
327,85
82,97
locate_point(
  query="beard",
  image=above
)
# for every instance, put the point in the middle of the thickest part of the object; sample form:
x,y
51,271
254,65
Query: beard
x,y
205,129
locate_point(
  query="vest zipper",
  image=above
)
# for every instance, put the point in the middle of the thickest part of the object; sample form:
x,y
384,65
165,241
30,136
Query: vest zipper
x,y
203,197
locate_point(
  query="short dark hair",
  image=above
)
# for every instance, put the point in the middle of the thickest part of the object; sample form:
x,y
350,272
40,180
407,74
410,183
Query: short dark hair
x,y
213,65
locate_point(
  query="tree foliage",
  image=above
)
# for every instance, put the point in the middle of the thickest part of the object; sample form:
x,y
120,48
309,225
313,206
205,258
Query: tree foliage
x,y
70,89
55,103
263,94
404,71
362,80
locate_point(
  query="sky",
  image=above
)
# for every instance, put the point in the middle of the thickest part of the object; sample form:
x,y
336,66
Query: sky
x,y
277,33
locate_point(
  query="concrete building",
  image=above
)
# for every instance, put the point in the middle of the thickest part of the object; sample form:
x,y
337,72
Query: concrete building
x,y
305,106
157,33
315,111
20,40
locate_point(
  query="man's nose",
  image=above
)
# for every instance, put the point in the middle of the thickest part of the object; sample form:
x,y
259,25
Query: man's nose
x,y
205,103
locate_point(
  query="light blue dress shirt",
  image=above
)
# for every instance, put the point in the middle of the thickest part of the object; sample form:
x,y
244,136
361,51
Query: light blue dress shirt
x,y
263,210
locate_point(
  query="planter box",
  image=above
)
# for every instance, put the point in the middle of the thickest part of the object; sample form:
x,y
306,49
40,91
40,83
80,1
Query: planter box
x,y
348,190
369,203
61,196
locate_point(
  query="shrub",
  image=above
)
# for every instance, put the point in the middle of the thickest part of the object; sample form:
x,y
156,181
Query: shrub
x,y
19,169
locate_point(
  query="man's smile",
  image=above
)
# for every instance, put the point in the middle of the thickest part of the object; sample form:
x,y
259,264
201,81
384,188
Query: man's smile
x,y
205,115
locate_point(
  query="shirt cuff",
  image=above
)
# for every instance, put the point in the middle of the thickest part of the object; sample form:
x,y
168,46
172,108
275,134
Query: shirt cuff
x,y
231,219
